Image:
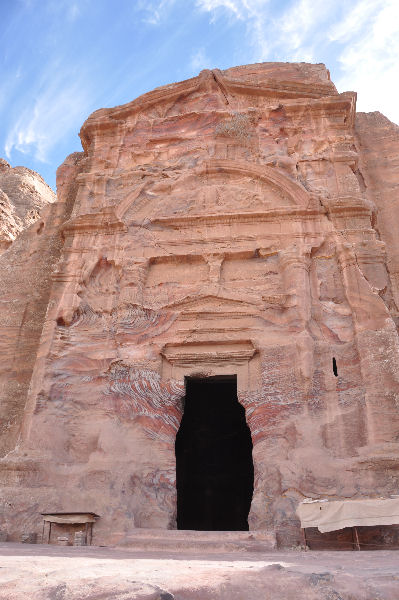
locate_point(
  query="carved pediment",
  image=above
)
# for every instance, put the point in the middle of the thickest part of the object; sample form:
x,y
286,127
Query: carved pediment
x,y
224,82
212,303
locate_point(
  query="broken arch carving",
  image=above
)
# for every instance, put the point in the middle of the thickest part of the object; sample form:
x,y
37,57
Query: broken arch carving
x,y
197,193
271,175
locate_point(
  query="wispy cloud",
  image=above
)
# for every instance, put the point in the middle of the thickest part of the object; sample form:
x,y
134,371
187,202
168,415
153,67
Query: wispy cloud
x,y
241,9
354,20
69,9
199,61
8,86
153,11
60,102
363,42
297,31
369,60
254,13
287,36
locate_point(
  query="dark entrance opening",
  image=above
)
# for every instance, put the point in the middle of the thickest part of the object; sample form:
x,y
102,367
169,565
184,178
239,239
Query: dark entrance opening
x,y
214,468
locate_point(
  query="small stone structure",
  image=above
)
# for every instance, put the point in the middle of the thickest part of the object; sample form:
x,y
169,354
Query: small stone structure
x,y
71,524
240,223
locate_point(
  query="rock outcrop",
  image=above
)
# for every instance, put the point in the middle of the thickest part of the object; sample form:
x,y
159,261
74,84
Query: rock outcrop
x,y
23,193
240,223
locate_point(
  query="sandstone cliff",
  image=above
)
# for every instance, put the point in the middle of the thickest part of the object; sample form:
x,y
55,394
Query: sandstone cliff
x,y
23,193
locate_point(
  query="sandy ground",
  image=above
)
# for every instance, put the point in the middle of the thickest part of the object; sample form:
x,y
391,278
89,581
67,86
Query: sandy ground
x,y
58,573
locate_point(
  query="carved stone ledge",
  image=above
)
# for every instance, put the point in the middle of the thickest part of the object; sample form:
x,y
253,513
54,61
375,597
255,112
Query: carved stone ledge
x,y
347,206
275,87
276,299
342,106
104,222
212,358
188,221
209,352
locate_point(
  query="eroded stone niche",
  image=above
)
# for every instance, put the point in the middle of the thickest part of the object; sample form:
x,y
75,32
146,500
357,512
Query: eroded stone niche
x,y
229,224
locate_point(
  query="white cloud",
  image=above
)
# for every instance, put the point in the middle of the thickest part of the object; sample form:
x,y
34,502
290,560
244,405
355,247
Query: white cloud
x,y
297,30
240,8
369,62
363,36
254,13
153,10
284,37
199,61
354,20
61,102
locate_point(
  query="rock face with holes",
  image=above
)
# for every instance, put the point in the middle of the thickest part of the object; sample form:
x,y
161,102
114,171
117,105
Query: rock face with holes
x,y
240,222
23,193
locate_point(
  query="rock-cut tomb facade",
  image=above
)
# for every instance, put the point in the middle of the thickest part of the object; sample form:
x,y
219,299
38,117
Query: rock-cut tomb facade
x,y
238,228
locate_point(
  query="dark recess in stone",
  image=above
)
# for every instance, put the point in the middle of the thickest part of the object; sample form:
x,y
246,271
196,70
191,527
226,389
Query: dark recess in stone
x,y
214,468
335,368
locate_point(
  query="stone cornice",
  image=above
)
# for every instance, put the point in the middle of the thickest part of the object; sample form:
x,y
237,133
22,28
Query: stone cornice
x,y
209,352
277,88
347,206
187,221
344,104
105,222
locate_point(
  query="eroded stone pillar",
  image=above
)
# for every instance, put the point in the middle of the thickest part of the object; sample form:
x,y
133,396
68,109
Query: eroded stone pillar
x,y
133,280
295,263
375,335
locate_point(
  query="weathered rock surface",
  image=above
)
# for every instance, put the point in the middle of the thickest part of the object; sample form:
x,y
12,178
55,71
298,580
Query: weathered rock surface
x,y
43,572
25,285
23,193
240,222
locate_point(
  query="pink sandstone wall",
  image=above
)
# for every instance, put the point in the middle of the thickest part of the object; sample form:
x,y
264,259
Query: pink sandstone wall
x,y
233,223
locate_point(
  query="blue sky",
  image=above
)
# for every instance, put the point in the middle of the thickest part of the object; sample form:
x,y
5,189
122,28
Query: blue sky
x,y
62,59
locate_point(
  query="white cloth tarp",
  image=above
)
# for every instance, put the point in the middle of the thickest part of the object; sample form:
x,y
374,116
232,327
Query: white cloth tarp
x,y
337,514
79,518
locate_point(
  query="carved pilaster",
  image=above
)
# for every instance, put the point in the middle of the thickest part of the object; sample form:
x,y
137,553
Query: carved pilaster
x,y
295,265
215,262
133,280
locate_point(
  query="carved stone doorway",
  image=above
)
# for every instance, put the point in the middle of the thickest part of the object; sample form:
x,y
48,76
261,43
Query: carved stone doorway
x,y
214,468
